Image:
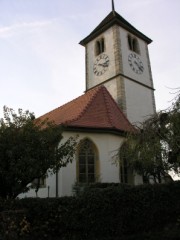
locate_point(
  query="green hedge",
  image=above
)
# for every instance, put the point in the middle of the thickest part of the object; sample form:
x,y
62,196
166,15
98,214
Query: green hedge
x,y
102,211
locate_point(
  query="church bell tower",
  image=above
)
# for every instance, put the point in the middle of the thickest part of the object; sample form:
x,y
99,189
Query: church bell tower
x,y
117,57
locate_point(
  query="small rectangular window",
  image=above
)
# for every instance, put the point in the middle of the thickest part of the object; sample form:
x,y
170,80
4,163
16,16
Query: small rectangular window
x,y
99,46
133,44
39,182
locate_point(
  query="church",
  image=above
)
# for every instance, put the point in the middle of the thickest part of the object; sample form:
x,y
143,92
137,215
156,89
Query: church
x,y
119,93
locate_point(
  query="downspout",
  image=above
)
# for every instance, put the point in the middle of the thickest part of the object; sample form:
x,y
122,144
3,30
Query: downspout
x,y
57,180
57,184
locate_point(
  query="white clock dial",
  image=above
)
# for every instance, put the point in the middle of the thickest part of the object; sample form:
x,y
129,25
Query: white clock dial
x,y
101,64
135,63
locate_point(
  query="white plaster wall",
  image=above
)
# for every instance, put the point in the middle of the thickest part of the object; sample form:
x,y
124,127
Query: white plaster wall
x,y
143,78
139,98
138,180
139,102
92,79
107,145
112,88
43,192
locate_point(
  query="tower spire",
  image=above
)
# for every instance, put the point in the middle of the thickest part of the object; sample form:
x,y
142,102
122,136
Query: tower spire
x,y
113,8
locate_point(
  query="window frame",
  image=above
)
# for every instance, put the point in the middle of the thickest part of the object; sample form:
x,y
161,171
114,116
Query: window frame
x,y
87,162
39,182
99,46
133,44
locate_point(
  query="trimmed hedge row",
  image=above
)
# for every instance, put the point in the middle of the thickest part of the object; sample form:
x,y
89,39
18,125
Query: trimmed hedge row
x,y
102,211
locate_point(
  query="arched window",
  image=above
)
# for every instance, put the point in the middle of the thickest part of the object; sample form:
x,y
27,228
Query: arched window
x,y
99,46
133,44
87,162
126,173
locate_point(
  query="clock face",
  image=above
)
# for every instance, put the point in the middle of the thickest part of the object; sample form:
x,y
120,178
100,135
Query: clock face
x,y
101,64
135,63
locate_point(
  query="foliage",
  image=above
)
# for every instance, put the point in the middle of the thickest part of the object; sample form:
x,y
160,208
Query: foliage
x,y
29,149
114,212
154,149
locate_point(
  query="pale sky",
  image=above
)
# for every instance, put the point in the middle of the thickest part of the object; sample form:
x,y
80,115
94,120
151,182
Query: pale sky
x,y
42,66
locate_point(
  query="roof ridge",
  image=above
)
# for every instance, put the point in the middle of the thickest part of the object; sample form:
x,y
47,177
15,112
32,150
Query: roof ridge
x,y
94,94
107,106
64,105
117,107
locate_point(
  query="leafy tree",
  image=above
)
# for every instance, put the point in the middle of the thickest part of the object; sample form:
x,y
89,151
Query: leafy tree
x,y
154,149
29,149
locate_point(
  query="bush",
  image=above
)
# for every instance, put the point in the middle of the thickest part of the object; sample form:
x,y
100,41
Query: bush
x,y
101,211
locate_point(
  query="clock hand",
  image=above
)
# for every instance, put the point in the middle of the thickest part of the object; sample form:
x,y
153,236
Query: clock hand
x,y
136,63
140,67
105,64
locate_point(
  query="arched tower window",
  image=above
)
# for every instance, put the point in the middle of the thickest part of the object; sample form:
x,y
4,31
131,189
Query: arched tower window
x,y
133,44
99,46
130,42
87,162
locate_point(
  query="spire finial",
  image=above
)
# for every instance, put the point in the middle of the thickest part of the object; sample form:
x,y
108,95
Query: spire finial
x,y
113,8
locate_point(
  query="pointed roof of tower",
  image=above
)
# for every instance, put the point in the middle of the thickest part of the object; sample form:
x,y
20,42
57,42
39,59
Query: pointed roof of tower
x,y
95,110
114,18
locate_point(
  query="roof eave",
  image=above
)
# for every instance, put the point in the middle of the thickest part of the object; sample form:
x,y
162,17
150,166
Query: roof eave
x,y
94,34
96,130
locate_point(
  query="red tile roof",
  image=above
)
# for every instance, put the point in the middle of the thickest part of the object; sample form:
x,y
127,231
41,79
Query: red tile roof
x,y
95,109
